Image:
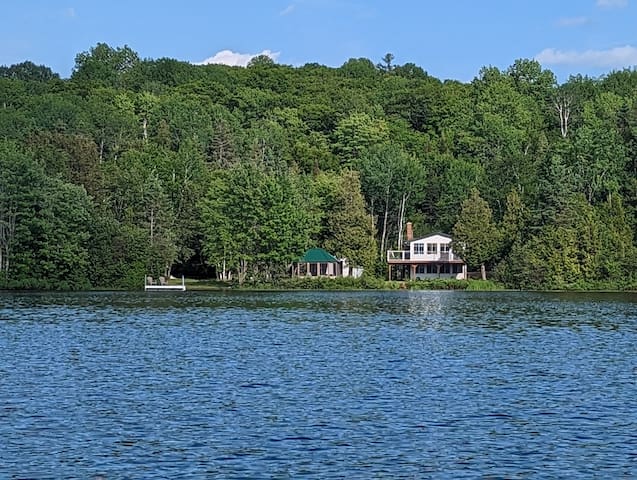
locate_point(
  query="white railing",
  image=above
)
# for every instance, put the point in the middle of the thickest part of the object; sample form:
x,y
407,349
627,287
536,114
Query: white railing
x,y
397,255
404,255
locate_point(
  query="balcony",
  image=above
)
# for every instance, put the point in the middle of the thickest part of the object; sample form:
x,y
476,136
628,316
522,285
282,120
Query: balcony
x,y
398,255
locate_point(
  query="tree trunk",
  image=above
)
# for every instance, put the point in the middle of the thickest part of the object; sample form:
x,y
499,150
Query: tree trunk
x,y
7,233
401,219
242,271
372,219
383,238
563,107
483,272
152,225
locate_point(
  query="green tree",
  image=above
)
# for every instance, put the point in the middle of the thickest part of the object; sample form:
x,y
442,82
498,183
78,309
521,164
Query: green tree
x,y
357,133
254,221
475,235
261,61
393,183
410,70
599,156
358,68
514,222
28,71
103,65
347,228
386,63
137,194
452,180
43,226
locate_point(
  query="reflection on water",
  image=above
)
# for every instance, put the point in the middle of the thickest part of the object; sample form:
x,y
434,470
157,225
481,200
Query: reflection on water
x,y
318,385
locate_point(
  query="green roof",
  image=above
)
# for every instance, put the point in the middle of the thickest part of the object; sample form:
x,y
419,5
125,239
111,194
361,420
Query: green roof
x,y
317,255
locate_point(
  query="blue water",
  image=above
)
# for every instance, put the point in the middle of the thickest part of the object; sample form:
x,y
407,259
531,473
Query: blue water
x,y
318,385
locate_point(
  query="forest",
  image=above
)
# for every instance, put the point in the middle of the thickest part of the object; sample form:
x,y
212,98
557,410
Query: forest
x,y
135,166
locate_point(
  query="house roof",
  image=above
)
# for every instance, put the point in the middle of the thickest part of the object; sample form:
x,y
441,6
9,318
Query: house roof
x,y
431,235
317,255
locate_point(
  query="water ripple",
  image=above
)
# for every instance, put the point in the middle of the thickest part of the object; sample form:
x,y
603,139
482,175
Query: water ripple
x,y
318,385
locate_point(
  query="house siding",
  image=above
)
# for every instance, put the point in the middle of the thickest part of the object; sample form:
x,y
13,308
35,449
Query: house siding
x,y
429,258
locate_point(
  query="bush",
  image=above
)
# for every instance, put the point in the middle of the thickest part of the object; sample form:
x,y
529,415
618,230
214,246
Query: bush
x,y
484,286
438,284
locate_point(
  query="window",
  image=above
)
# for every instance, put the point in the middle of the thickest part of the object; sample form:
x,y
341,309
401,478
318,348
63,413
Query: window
x,y
432,248
431,268
419,248
457,268
445,268
420,269
444,248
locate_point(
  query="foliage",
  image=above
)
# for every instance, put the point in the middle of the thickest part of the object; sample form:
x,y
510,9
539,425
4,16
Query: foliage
x,y
254,222
476,237
438,284
152,166
484,286
44,226
347,229
104,65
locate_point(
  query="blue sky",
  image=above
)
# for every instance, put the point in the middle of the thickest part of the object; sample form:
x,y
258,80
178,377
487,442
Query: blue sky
x,y
448,38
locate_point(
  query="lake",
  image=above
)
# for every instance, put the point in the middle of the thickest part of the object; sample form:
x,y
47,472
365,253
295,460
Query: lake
x,y
318,385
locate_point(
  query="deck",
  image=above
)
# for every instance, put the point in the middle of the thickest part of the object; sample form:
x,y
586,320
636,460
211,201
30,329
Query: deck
x,y
162,286
397,257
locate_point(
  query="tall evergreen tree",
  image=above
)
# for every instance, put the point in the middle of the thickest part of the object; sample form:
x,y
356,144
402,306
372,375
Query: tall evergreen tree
x,y
476,237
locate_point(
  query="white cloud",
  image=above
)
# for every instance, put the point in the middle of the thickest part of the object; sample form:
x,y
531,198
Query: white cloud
x,y
287,10
228,57
612,3
572,21
617,57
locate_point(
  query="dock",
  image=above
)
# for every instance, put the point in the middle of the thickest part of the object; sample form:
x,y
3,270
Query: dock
x,y
161,285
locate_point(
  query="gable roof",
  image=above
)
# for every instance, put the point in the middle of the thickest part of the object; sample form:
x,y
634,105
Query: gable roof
x,y
437,234
317,255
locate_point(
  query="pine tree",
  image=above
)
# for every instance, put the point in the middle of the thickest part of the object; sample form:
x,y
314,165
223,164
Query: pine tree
x,y
475,235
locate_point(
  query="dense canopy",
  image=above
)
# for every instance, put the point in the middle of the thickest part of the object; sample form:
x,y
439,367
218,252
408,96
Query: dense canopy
x,y
155,166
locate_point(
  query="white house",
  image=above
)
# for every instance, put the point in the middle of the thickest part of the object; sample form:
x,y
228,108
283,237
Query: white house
x,y
427,258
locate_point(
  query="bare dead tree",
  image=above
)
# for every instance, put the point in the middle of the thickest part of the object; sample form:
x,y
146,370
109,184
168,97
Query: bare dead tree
x,y
563,105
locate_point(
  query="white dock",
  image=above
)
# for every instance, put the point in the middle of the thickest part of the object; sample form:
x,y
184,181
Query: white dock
x,y
150,285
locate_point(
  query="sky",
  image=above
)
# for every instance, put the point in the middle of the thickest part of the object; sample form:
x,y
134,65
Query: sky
x,y
450,39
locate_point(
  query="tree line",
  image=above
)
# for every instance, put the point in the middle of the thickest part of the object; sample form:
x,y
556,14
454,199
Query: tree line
x,y
155,166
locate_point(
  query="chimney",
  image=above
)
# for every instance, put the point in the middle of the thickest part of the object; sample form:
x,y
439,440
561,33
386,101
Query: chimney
x,y
410,232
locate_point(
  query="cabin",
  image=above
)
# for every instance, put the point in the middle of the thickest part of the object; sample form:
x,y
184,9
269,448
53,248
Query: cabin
x,y
317,262
425,258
